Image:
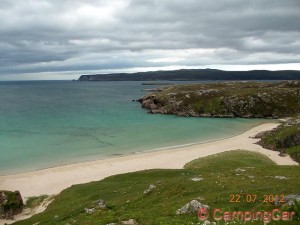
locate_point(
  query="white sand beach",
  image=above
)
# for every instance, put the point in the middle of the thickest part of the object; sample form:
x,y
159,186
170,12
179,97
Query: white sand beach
x,y
54,180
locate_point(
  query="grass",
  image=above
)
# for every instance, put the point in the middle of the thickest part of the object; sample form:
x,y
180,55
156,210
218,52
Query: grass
x,y
35,201
294,152
278,136
236,172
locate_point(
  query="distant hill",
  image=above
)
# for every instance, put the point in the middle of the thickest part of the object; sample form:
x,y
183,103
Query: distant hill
x,y
195,74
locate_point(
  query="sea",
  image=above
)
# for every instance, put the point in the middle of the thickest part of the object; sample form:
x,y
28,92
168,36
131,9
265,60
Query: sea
x,y
51,123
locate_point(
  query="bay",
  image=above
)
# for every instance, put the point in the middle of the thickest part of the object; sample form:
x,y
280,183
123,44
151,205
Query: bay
x,y
50,123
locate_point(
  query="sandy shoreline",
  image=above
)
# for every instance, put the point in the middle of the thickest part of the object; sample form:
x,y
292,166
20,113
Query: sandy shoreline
x,y
54,180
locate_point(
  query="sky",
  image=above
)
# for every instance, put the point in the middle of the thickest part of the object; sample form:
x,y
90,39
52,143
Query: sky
x,y
55,39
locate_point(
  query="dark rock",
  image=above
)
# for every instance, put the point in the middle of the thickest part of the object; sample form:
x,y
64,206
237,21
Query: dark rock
x,y
282,153
11,203
153,106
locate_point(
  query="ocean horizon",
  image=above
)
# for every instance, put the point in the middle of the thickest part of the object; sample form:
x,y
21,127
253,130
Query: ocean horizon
x,y
52,123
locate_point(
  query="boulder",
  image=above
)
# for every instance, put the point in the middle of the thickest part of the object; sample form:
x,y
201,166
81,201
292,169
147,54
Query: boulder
x,y
150,188
291,199
89,211
197,179
11,203
281,177
130,222
101,204
288,199
191,207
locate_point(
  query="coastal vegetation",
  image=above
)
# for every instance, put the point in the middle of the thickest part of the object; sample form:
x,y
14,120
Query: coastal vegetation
x,y
157,196
285,138
35,201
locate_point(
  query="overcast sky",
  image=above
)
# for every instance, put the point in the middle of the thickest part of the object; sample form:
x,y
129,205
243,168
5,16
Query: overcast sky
x,y
61,39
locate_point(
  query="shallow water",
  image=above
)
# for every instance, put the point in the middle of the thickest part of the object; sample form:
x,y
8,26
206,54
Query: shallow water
x,y
50,123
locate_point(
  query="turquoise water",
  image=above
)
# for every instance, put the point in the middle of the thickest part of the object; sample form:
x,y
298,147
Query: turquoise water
x,y
49,123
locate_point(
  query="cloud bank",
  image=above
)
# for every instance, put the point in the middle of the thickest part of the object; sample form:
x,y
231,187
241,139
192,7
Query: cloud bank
x,y
71,37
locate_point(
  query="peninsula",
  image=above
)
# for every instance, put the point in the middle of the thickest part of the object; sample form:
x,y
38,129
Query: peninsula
x,y
194,75
227,99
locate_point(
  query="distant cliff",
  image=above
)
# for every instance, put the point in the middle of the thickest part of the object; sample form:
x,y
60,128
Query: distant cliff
x,y
195,74
227,99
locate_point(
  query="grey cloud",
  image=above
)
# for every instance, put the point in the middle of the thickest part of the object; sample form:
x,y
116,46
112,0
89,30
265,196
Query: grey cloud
x,y
42,36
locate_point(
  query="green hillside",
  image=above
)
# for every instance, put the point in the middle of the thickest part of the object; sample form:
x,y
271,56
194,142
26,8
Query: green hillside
x,y
216,178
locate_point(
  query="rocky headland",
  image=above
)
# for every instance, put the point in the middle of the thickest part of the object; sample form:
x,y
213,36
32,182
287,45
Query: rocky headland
x,y
227,99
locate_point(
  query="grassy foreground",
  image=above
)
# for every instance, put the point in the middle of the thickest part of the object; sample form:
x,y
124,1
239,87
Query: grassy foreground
x,y
235,172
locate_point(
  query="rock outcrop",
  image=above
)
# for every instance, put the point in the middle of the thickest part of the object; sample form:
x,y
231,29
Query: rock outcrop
x,y
11,203
285,138
227,99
